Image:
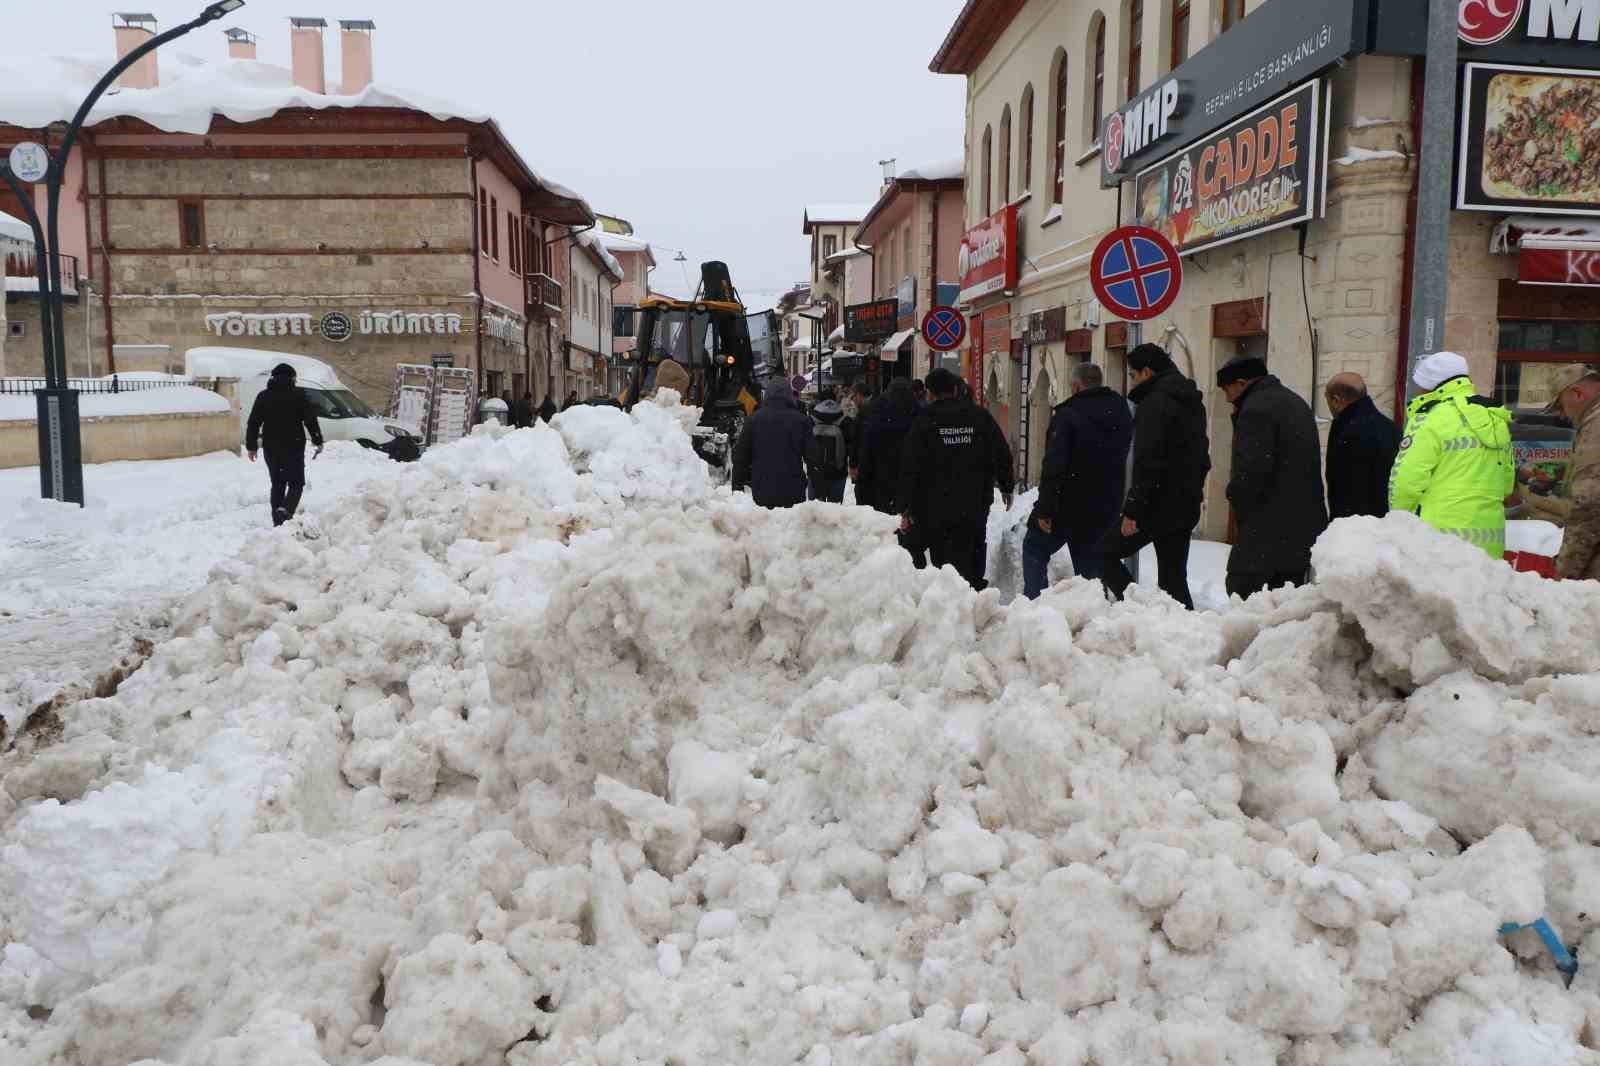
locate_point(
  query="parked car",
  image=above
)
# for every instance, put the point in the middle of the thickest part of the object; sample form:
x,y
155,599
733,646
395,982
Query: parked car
x,y
342,414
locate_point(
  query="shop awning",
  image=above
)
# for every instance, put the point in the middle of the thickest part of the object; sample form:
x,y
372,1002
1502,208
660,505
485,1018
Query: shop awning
x,y
837,335
892,346
1545,260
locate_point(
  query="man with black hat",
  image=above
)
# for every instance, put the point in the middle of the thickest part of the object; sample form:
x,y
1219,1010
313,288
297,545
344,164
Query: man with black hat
x,y
954,457
1171,457
280,420
1276,484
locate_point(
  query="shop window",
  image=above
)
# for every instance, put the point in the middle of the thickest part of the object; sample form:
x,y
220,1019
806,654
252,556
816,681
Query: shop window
x,y
1005,155
494,229
1061,126
191,223
1097,80
988,171
1135,45
1232,14
1027,139
483,220
1532,352
1180,32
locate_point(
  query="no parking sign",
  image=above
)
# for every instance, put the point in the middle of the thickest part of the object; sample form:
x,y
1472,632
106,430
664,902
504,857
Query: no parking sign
x,y
944,328
1136,273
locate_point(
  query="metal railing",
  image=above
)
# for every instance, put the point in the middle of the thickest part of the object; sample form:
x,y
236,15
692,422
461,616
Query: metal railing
x,y
26,386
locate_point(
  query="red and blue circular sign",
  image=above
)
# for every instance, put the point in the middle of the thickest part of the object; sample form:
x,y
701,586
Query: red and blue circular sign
x,y
944,328
1136,273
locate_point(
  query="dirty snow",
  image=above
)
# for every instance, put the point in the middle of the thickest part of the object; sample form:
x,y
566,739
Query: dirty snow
x,y
545,751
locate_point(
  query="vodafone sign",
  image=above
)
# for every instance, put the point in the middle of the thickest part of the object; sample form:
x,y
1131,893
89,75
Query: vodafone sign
x,y
987,262
1487,22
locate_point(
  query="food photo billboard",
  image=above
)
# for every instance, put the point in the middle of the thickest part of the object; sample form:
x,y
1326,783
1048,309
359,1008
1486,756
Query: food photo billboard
x,y
1530,140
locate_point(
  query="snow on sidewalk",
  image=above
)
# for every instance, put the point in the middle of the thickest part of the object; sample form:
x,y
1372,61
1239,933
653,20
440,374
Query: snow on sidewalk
x,y
545,751
78,586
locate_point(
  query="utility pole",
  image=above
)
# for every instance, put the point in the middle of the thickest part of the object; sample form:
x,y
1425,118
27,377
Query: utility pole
x,y
1430,271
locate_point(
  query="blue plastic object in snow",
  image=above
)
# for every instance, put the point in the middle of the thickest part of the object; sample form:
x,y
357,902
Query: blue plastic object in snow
x,y
1552,943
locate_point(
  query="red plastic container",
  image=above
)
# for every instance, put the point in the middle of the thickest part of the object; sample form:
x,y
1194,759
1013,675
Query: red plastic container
x,y
1529,563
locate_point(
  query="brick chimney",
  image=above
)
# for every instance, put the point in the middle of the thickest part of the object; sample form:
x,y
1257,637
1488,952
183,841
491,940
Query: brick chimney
x,y
133,29
355,37
241,45
305,51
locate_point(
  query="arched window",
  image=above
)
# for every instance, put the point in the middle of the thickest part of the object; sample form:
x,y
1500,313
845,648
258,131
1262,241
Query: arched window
x,y
1232,14
1005,156
988,171
1060,125
1135,45
1180,33
1097,77
1027,139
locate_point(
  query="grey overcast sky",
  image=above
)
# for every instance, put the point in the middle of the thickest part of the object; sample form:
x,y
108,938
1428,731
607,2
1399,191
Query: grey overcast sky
x,y
709,124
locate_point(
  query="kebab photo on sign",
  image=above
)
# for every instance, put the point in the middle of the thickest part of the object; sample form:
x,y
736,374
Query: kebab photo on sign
x,y
1542,138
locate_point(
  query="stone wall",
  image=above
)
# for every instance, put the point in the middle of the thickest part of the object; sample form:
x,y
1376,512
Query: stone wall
x,y
130,437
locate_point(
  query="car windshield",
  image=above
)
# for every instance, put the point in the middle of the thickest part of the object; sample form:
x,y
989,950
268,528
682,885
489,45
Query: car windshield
x,y
338,403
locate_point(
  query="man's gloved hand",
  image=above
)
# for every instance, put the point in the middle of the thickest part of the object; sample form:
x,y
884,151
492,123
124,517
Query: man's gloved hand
x,y
317,452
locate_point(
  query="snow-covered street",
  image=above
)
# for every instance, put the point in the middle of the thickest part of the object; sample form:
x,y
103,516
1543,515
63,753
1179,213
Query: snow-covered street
x,y
544,750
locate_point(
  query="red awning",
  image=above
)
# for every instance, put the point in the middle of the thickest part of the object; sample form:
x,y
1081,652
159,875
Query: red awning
x,y
1558,261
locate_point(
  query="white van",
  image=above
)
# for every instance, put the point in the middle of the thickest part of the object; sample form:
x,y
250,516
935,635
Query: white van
x,y
341,413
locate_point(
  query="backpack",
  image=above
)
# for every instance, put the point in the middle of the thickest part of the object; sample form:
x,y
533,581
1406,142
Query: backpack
x,y
831,457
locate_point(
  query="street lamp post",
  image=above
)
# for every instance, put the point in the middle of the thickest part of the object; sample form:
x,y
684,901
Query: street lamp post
x,y
60,448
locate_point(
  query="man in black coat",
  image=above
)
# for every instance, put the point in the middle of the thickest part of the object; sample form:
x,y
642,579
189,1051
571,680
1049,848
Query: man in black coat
x,y
856,409
1276,485
954,458
881,440
523,412
1362,445
1082,481
770,455
1171,457
280,420
547,410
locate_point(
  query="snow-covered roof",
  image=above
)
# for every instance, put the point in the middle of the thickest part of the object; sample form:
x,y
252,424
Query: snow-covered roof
x,y
41,90
15,228
621,244
593,240
848,253
943,170
817,214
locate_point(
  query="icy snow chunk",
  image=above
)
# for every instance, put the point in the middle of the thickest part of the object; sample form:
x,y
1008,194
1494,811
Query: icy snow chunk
x,y
669,834
455,1003
1503,872
1078,940
879,770
963,847
709,783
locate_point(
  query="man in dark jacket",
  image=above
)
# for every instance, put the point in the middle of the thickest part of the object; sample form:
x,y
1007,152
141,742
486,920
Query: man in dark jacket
x,y
1362,445
884,427
547,410
280,420
769,456
1276,485
953,459
523,416
827,455
855,416
1082,481
1170,462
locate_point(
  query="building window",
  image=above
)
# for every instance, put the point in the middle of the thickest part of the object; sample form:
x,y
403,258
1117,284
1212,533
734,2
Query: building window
x,y
905,250
1180,32
830,245
988,171
1005,155
534,252
1097,87
1135,45
514,239
483,220
1027,139
1232,14
191,223
1061,126
494,229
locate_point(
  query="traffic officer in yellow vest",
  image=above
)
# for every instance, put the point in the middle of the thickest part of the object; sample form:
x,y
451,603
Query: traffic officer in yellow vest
x,y
1455,467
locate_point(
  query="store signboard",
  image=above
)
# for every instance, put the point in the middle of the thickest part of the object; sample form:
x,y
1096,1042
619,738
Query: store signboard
x,y
987,262
906,296
1527,140
1278,45
1555,262
1260,173
1560,32
871,322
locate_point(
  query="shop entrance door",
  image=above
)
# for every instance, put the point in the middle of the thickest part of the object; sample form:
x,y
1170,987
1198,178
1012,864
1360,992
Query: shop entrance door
x,y
1531,353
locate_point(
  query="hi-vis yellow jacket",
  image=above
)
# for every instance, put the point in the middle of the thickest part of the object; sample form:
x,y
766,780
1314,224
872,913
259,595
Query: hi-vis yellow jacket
x,y
1455,467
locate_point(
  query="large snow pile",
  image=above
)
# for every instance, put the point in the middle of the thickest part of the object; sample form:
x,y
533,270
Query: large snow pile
x,y
544,751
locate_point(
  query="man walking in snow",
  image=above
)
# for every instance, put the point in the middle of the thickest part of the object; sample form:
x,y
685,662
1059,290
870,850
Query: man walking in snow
x,y
1362,444
547,410
954,458
1578,399
1170,462
1456,466
881,440
769,457
1082,481
1276,483
827,453
280,420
